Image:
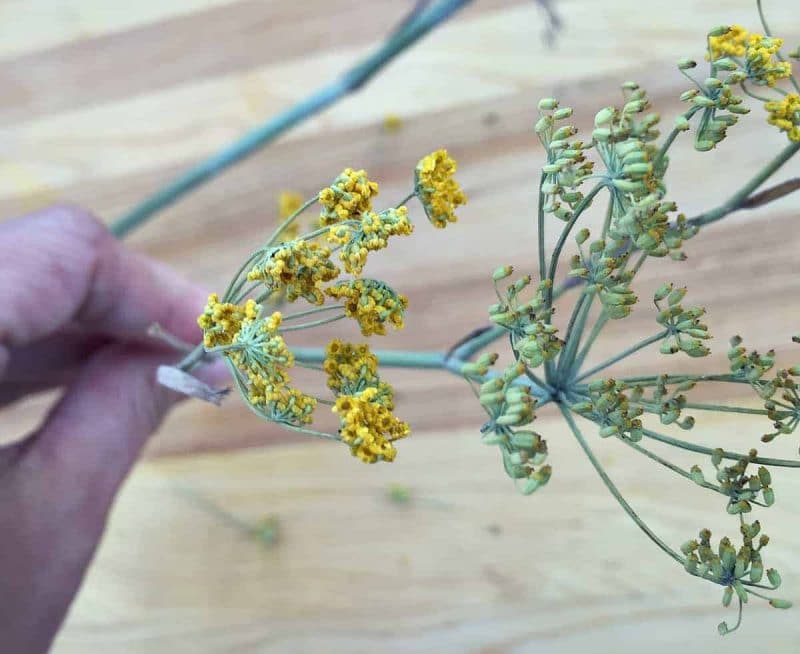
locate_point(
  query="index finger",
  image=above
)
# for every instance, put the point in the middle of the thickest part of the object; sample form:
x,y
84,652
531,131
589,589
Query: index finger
x,y
61,266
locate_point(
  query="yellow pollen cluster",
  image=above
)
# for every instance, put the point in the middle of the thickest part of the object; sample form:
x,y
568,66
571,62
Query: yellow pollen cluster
x,y
347,198
221,321
298,267
372,304
762,66
731,44
372,234
439,193
785,115
368,425
350,367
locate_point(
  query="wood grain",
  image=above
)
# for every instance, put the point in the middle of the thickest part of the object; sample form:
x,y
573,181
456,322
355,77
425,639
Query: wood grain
x,y
103,103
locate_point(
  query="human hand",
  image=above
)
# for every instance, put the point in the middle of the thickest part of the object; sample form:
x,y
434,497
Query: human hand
x,y
74,309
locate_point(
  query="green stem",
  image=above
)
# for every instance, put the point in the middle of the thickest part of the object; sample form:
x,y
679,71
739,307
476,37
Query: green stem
x,y
596,329
289,220
310,312
736,200
722,408
410,32
613,489
313,323
625,353
701,449
406,199
668,464
653,380
574,332
582,205
540,227
768,32
477,343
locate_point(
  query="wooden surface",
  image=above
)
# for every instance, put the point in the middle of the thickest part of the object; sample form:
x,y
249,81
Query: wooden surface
x,y
103,102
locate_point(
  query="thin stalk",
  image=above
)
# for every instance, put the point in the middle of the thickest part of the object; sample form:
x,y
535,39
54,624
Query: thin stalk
x,y
289,220
768,32
668,464
485,338
388,358
309,312
735,201
406,199
313,323
609,215
540,227
235,284
574,332
410,32
613,489
622,355
722,408
701,449
602,319
652,380
582,205
755,96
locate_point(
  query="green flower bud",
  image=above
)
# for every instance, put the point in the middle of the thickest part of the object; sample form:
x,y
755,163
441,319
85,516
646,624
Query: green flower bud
x,y
548,104
720,30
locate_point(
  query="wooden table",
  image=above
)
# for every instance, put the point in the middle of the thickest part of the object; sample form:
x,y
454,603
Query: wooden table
x,y
103,102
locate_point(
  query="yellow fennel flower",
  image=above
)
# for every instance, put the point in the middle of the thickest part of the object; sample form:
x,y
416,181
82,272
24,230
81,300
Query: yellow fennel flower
x,y
731,44
785,115
350,368
371,234
347,198
222,321
368,425
298,267
439,193
372,303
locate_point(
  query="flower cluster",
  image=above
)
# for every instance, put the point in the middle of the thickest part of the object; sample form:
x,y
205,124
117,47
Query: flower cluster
x,y
727,42
259,358
437,190
603,269
608,407
293,266
368,425
372,303
364,403
221,321
646,223
509,404
532,334
751,366
624,140
664,402
685,332
735,570
371,233
785,115
566,166
760,64
298,267
783,410
347,197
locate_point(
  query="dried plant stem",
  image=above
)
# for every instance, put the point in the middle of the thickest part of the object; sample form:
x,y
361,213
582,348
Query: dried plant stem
x,y
409,33
612,487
